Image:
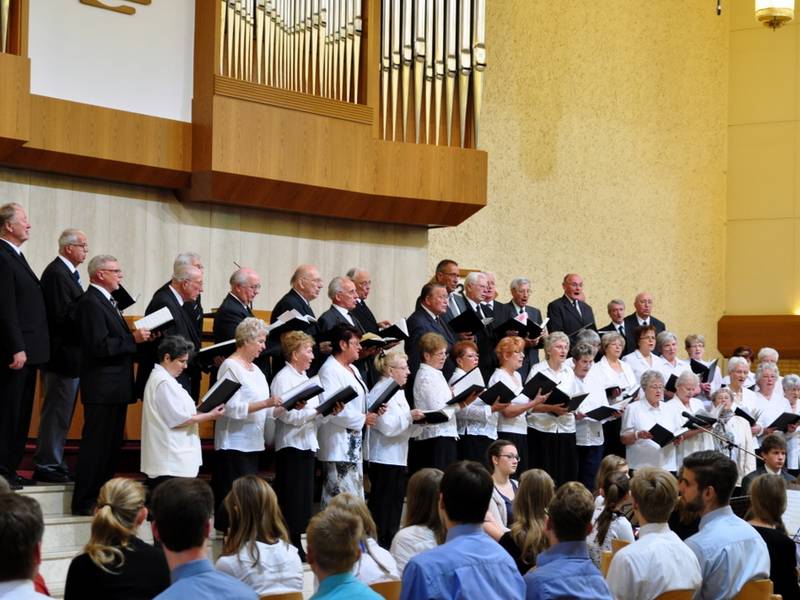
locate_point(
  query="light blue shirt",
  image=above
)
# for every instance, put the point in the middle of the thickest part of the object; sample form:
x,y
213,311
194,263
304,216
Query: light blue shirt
x,y
566,571
198,580
469,564
730,553
344,587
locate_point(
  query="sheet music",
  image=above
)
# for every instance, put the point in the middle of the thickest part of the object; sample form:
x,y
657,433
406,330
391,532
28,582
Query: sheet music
x,y
791,518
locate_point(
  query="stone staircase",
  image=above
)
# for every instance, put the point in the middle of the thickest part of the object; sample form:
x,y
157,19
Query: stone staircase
x,y
65,536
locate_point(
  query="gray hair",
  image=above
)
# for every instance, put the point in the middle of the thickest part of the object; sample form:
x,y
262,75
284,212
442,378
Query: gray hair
x,y
615,302
664,337
8,213
248,330
791,382
765,352
473,277
186,272
687,378
353,271
556,336
588,336
185,258
174,346
69,237
336,286
611,337
519,281
722,390
736,361
694,338
764,367
238,277
300,272
651,376
99,262
582,349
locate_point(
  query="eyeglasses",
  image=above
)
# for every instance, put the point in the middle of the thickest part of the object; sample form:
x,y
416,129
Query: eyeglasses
x,y
657,388
256,287
84,246
440,353
510,456
470,355
117,271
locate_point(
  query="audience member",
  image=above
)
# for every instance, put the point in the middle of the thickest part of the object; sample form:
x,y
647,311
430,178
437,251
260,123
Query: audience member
x,y
658,561
183,512
773,455
257,549
565,569
115,563
570,313
469,564
502,458
422,527
608,522
21,531
610,464
729,551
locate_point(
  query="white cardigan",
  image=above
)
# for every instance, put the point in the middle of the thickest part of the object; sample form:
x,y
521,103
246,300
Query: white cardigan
x,y
339,435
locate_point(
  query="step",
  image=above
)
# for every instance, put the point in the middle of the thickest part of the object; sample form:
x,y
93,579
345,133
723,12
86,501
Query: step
x,y
65,532
54,498
55,565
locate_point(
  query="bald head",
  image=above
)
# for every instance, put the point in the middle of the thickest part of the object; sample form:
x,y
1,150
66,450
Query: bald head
x,y
643,304
245,285
307,282
362,281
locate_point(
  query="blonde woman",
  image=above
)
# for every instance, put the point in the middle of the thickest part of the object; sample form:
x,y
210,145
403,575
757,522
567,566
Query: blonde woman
x,y
115,563
257,549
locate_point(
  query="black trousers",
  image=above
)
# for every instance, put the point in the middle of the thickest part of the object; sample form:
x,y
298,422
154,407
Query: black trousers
x,y
294,485
101,441
438,452
589,458
229,465
16,388
613,445
473,447
556,453
387,491
520,440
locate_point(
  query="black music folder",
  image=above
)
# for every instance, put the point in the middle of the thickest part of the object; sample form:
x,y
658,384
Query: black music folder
x,y
433,417
123,298
397,330
205,356
301,393
468,322
740,412
601,413
464,394
661,435
343,395
382,397
539,382
671,383
220,393
705,373
783,421
498,392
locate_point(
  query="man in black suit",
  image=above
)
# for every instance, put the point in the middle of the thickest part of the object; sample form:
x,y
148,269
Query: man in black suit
x,y
520,294
61,285
362,312
24,340
193,309
489,294
447,274
569,313
642,315
306,285
474,290
427,318
236,307
107,351
185,286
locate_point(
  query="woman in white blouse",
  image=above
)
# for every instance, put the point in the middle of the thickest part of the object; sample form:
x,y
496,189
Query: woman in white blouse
x,y
695,345
256,550
667,348
791,391
388,447
693,440
295,437
551,427
170,440
512,424
640,417
422,525
613,372
339,435
643,358
239,434
770,402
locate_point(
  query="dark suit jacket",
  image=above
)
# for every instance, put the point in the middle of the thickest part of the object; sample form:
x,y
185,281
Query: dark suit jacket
x,y
504,312
419,323
762,470
61,293
23,317
195,312
631,323
107,348
364,315
327,321
182,325
290,300
230,313
564,317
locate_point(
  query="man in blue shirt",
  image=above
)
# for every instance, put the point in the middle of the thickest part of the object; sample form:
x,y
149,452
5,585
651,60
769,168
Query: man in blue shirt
x,y
469,564
182,521
729,550
565,570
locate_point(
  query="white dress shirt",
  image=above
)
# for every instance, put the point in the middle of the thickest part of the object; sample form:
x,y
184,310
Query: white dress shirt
x,y
640,415
344,312
165,449
548,422
589,432
410,541
236,429
657,562
639,364
339,435
518,424
477,418
388,439
278,570
367,570
431,392
296,428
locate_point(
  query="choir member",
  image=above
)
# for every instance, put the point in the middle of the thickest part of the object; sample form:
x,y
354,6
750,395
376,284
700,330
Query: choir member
x,y
684,401
643,358
614,373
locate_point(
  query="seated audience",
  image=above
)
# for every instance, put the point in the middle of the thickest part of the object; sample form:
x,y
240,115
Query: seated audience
x,y
170,439
565,569
257,549
526,539
767,505
658,561
376,564
608,522
115,563
469,564
21,531
610,464
333,550
503,459
729,551
773,455
422,527
183,513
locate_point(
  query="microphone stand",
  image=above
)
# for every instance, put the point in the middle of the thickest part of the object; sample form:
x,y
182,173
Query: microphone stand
x,y
699,425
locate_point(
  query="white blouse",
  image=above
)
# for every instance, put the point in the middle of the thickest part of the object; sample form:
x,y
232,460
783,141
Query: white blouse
x,y
477,418
296,428
770,408
547,422
701,441
339,435
410,541
238,430
388,439
366,569
431,392
640,415
166,449
589,432
638,363
278,570
517,424
626,379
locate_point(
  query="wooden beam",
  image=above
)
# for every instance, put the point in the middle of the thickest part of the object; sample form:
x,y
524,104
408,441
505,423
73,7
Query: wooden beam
x,y
781,332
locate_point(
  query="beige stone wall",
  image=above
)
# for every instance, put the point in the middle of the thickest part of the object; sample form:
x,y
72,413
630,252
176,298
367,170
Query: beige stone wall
x,y
605,125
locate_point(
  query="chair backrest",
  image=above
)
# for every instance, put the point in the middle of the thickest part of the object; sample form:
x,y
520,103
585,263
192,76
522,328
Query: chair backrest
x,y
390,590
605,561
284,596
676,595
616,545
757,589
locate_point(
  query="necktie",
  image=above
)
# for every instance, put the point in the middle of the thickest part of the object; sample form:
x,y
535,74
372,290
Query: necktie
x,y
520,311
454,306
622,331
22,258
577,308
77,277
478,311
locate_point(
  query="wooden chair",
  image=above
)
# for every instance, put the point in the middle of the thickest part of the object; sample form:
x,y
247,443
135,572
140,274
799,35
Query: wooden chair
x,y
390,590
758,589
676,595
284,596
616,545
605,561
